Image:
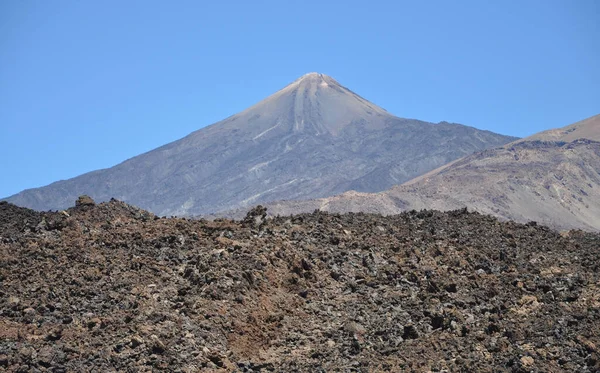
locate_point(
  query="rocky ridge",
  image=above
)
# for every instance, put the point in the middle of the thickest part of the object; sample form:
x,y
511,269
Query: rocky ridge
x,y
110,287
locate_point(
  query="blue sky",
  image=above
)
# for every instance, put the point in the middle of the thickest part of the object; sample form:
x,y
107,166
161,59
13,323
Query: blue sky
x,y
85,85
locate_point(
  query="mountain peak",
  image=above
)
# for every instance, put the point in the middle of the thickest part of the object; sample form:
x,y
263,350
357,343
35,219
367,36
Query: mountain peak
x,y
316,80
312,75
314,104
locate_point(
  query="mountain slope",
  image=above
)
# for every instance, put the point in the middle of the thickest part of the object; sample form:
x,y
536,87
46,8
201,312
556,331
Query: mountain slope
x,y
314,138
554,182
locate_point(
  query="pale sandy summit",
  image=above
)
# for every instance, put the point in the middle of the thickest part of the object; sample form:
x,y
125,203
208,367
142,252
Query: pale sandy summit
x,y
314,138
552,177
586,129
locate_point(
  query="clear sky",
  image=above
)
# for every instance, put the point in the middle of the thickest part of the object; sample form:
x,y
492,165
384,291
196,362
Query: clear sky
x,y
87,84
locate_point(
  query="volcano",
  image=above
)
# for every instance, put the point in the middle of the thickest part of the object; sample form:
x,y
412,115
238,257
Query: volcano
x,y
314,138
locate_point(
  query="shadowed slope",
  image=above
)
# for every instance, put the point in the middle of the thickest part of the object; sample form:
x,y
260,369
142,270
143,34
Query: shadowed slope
x,y
554,182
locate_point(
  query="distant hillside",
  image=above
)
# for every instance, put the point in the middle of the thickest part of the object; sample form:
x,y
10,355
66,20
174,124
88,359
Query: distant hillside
x,y
552,177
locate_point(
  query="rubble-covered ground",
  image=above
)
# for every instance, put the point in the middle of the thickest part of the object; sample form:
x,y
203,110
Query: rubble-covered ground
x,y
110,287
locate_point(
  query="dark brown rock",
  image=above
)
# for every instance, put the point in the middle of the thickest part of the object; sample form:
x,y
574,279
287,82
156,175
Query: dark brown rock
x,y
428,291
84,201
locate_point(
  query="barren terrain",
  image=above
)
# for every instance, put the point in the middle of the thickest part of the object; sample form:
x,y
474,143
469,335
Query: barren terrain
x,y
552,177
110,287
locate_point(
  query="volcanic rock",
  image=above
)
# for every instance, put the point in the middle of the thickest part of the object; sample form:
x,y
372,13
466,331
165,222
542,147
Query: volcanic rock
x,y
84,201
430,291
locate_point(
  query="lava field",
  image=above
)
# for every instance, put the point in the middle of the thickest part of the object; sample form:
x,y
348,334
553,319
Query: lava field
x,y
109,287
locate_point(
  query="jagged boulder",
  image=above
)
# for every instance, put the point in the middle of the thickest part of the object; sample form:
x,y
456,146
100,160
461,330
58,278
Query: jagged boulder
x,y
84,200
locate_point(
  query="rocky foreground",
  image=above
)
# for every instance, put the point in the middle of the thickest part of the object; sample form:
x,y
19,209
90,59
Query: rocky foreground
x,y
110,287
